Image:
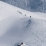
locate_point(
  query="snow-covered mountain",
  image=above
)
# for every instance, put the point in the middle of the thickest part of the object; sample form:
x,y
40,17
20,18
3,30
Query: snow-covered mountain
x,y
30,5
17,26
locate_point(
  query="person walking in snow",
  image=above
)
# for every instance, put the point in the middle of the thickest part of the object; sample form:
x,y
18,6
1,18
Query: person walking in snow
x,y
30,16
22,44
25,14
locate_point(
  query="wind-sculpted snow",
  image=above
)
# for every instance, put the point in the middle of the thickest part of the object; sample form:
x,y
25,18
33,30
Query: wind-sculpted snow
x,y
18,31
16,27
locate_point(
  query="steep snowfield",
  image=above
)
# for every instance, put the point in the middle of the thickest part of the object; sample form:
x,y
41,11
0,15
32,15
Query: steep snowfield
x,y
16,27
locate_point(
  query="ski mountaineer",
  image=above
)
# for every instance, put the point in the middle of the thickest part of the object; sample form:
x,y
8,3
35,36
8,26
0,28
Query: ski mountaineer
x,y
22,44
30,16
25,14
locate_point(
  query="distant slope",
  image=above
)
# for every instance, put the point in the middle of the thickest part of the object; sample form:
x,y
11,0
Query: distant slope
x,y
30,5
4,13
16,27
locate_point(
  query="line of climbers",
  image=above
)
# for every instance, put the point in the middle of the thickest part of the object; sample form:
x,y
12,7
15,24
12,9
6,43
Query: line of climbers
x,y
21,13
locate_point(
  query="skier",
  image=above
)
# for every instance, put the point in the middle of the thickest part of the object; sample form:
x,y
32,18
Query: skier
x,y
30,16
25,14
19,12
22,44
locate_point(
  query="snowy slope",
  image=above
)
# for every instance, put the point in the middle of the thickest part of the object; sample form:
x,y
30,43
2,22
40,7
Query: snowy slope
x,y
16,27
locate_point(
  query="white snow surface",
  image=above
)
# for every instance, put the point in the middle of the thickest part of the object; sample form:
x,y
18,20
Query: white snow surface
x,y
15,27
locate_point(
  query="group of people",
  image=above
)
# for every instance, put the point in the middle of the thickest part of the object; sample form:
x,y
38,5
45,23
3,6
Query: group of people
x,y
25,15
21,13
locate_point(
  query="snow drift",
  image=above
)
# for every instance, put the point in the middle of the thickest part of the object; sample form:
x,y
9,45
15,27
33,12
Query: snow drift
x,y
16,27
